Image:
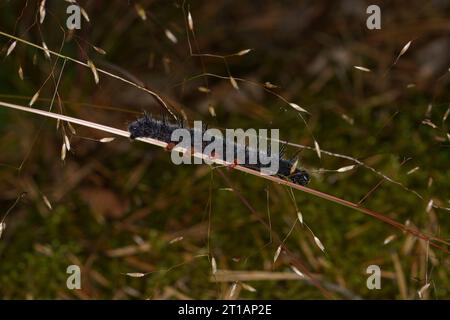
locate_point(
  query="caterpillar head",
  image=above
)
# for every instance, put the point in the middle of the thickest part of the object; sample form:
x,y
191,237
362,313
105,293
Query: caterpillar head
x,y
300,177
140,128
135,130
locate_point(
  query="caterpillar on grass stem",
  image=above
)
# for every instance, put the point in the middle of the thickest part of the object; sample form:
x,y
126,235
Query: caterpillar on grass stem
x,y
149,127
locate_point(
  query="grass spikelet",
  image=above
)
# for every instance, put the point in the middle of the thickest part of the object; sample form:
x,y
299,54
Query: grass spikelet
x,y
317,147
190,22
412,170
423,290
277,254
140,11
346,168
71,128
135,274
298,272
429,123
319,244
248,287
63,151
11,48
171,36
294,166
94,71
446,114
20,72
233,290
106,140
429,205
269,85
34,98
85,15
212,111
297,107
42,11
234,83
177,239
389,239
46,51
243,52
300,217
213,265
403,51
67,142
99,50
47,202
362,68
203,89
2,228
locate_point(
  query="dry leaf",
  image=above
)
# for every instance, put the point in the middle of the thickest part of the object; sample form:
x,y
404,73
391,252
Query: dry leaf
x,y
362,68
106,140
297,107
11,48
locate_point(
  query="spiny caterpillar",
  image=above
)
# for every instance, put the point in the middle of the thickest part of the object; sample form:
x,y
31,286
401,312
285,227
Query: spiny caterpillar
x,y
148,127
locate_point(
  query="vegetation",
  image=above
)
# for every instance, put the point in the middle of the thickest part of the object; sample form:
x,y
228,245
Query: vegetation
x,y
376,133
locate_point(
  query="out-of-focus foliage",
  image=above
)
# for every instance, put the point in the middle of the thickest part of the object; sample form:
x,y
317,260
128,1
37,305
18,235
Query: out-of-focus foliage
x,y
128,195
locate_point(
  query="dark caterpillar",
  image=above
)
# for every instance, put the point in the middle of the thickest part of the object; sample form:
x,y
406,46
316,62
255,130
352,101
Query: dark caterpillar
x,y
162,130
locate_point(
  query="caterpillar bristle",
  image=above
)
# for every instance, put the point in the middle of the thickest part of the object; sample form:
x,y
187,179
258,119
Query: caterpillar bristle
x,y
147,126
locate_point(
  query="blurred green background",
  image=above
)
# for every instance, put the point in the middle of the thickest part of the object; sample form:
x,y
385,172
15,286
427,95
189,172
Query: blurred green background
x,y
123,207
